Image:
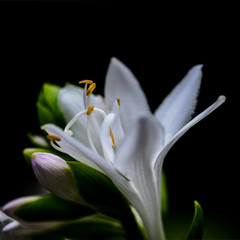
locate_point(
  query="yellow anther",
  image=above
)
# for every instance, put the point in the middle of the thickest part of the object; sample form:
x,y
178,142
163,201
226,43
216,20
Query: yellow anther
x,y
86,81
112,137
53,137
90,89
118,101
90,110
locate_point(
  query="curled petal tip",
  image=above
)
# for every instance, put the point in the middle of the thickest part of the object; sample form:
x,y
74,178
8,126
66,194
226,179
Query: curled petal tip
x,y
221,98
114,59
199,66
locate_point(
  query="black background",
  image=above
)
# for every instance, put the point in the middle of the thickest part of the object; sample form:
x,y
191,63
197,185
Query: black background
x,y
56,42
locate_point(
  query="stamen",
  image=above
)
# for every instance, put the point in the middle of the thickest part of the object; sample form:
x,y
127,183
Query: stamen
x,y
112,137
90,89
53,137
90,110
118,101
86,81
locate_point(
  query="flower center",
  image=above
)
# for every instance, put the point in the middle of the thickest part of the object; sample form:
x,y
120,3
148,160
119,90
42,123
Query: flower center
x,y
100,127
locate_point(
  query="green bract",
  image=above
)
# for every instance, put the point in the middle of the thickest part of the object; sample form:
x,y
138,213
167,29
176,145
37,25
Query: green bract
x,y
47,105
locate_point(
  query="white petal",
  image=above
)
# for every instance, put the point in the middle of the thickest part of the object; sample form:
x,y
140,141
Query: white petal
x,y
135,158
121,83
176,109
81,154
183,130
141,146
54,174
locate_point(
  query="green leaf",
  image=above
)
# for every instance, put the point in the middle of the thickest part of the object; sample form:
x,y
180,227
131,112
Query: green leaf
x,y
51,208
196,229
88,228
47,105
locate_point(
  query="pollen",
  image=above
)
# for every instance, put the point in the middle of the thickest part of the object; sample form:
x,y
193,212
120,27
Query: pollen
x,y
118,101
90,110
53,137
90,89
86,81
112,137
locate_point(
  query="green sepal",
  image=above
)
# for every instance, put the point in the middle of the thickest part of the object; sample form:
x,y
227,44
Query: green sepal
x,y
88,228
98,190
196,229
47,106
51,208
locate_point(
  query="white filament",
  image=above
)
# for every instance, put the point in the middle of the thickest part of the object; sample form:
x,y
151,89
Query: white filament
x,y
56,147
74,119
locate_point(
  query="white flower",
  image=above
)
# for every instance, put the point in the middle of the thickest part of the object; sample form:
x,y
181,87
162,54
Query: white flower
x,y
119,136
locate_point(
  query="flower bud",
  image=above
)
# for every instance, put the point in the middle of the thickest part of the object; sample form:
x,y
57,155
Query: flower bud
x,y
54,174
17,228
10,207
